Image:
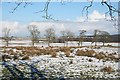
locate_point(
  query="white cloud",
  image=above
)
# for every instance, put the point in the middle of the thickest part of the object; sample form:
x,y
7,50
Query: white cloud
x,y
76,26
96,21
96,16
21,30
14,26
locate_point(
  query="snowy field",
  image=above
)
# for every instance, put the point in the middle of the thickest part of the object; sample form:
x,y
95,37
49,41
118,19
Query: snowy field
x,y
74,66
72,43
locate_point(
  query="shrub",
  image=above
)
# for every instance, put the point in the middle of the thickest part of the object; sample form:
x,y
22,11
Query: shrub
x,y
89,53
67,53
64,49
107,69
56,49
19,47
12,52
100,55
53,54
25,57
80,53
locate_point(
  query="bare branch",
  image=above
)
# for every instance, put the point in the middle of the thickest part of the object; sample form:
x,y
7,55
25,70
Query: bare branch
x,y
27,3
111,9
45,10
19,4
86,8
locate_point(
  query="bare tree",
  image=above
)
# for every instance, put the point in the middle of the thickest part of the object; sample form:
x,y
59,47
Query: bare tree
x,y
6,35
63,36
95,37
34,34
66,36
50,35
104,36
81,37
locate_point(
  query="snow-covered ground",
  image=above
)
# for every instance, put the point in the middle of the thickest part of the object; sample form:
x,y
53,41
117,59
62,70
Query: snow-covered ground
x,y
72,43
71,67
80,64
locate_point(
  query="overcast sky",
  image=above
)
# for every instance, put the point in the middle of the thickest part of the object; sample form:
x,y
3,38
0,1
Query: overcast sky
x,y
69,17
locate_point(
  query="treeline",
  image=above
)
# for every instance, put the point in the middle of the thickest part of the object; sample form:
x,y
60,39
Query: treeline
x,y
65,36
113,38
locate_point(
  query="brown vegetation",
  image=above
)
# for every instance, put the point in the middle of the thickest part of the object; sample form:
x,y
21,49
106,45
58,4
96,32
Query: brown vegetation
x,y
53,54
64,49
67,53
31,51
107,69
89,53
26,57
100,55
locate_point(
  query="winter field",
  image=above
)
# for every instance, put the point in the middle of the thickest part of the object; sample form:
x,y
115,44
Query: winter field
x,y
58,62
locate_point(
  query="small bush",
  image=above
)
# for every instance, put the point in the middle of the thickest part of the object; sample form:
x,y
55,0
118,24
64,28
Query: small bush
x,y
80,53
19,47
53,54
67,53
26,57
100,55
64,49
89,53
107,69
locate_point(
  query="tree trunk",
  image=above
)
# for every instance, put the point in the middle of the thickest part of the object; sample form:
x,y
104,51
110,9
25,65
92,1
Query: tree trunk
x,y
95,43
64,44
79,43
103,43
48,43
33,43
7,43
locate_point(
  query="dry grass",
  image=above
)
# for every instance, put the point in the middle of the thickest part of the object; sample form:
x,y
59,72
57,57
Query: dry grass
x,y
80,53
108,57
30,51
100,55
25,57
67,53
89,53
53,54
107,69
64,49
